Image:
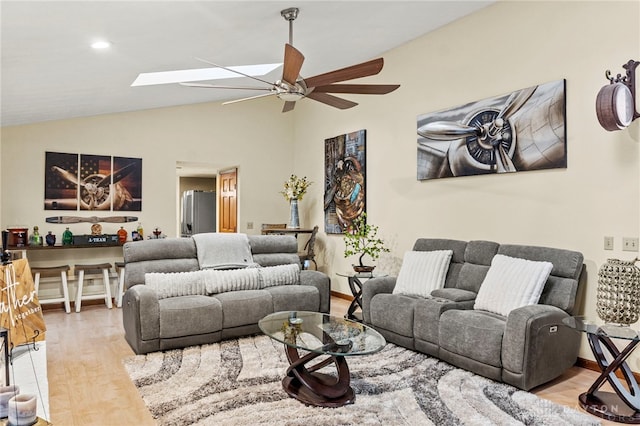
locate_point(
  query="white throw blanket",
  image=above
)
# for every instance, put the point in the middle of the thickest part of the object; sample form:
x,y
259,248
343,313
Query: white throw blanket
x,y
223,251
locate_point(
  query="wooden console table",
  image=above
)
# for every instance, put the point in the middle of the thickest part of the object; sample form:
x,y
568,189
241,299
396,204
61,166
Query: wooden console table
x,y
287,231
25,249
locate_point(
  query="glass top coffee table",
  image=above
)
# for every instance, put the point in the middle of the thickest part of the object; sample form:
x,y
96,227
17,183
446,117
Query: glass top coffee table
x,y
309,335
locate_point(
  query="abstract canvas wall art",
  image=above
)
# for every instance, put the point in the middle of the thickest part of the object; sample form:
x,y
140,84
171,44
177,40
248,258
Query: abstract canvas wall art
x,y
345,179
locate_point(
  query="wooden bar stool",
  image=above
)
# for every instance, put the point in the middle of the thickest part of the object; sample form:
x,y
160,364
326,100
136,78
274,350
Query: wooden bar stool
x,y
53,270
105,267
120,288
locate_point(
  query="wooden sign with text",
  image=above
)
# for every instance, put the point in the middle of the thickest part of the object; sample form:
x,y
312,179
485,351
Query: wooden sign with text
x,y
20,310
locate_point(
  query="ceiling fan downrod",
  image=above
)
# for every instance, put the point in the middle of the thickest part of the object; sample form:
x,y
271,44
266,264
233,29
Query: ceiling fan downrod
x,y
290,15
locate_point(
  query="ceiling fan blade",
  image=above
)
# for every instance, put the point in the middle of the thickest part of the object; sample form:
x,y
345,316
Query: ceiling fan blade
x,y
331,100
288,106
249,98
364,69
234,71
447,130
215,86
293,60
364,89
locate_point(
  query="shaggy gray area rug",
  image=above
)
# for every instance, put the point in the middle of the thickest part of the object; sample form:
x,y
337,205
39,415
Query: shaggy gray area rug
x,y
238,382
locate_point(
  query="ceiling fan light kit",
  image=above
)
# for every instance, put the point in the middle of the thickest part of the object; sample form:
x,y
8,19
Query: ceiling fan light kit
x,y
616,102
292,87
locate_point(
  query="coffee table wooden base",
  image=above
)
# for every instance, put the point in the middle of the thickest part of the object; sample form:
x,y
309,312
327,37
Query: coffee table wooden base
x,y
304,383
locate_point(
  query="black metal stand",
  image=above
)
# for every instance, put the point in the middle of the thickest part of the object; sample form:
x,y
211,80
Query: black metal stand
x,y
623,406
355,285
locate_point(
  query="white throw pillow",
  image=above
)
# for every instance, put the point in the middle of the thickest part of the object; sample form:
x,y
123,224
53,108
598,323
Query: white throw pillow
x,y
512,283
271,276
175,284
422,272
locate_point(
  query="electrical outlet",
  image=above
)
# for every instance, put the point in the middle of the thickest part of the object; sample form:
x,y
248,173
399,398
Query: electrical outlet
x,y
608,243
629,244
249,225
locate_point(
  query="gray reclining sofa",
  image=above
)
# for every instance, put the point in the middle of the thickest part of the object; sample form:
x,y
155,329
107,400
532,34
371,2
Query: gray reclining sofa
x,y
153,323
528,347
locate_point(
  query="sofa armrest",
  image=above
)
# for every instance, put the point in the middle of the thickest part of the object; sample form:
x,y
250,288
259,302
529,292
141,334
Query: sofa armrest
x,y
537,346
454,294
322,282
141,317
371,288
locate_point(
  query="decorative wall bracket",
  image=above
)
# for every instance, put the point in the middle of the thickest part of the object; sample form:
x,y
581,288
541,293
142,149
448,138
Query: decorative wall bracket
x,y
616,102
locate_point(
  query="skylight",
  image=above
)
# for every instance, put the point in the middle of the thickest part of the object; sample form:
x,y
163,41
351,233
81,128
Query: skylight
x,y
201,74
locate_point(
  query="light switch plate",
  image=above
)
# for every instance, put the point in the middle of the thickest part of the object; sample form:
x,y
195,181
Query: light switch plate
x,y
629,244
608,243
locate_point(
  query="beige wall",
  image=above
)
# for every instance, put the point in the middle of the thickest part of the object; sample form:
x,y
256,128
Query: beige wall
x,y
508,46
505,47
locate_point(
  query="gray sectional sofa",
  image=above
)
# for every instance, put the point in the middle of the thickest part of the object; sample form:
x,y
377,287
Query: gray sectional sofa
x,y
525,348
153,322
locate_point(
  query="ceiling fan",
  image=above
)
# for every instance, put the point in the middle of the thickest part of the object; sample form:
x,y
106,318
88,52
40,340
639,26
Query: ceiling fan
x,y
292,87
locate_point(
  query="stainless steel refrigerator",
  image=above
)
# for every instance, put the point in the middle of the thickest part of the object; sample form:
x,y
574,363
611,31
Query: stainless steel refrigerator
x,y
198,212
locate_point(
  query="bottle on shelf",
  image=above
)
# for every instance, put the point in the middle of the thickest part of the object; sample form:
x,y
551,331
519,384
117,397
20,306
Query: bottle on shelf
x,y
122,235
51,239
140,231
67,237
36,239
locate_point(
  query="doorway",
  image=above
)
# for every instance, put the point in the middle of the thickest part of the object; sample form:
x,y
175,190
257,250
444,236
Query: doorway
x,y
195,178
228,201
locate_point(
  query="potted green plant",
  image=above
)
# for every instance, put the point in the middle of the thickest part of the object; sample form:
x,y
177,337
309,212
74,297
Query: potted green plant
x,y
362,239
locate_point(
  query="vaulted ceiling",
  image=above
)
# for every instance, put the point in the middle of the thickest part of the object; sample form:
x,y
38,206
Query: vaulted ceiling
x,y
50,72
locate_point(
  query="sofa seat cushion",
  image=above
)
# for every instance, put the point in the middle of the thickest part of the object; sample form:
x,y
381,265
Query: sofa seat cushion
x,y
189,315
244,307
426,322
473,334
295,298
393,312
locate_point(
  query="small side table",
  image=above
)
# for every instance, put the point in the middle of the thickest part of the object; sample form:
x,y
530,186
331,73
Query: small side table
x,y
355,285
623,406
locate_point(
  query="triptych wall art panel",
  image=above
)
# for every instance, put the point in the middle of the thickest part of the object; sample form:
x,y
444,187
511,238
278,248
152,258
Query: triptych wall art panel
x,y
92,182
520,131
344,180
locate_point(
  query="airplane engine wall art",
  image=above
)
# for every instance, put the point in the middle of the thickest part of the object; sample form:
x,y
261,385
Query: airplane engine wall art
x,y
92,182
520,131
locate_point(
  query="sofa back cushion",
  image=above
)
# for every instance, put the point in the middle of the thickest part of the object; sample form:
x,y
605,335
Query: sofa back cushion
x,y
180,255
271,250
165,255
477,259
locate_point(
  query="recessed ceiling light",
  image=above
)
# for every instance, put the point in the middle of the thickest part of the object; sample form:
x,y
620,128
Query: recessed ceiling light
x,y
100,45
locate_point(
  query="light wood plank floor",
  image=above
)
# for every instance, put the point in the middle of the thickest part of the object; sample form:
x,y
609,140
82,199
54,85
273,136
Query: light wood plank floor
x,y
89,386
